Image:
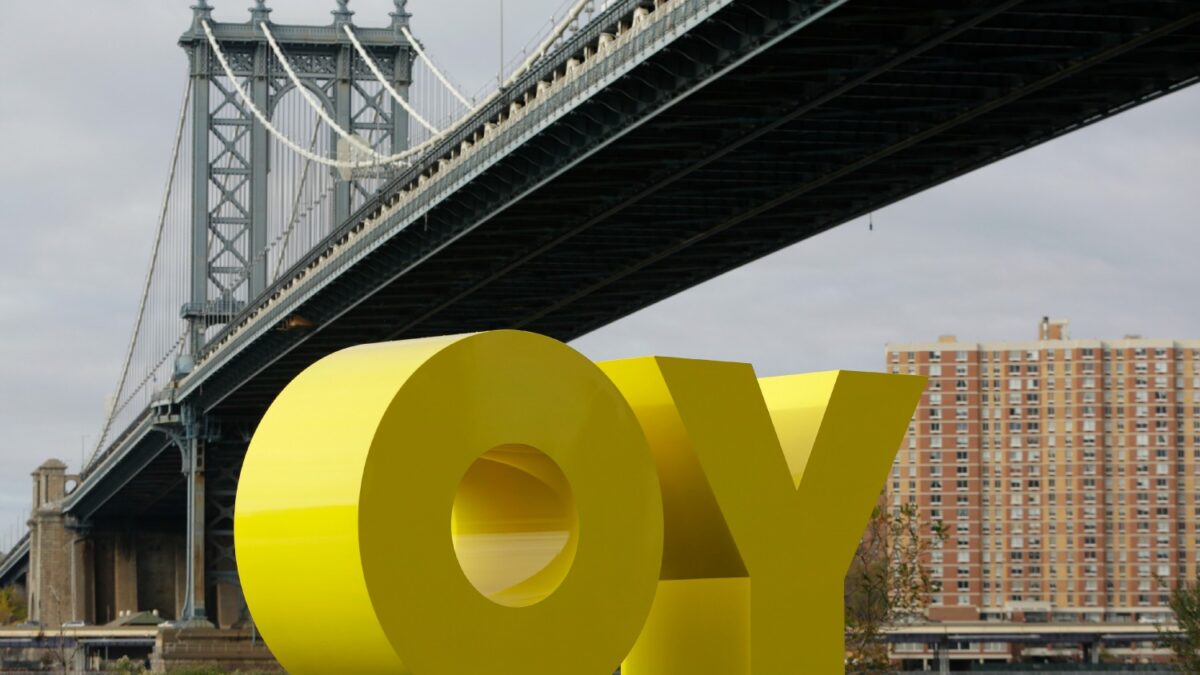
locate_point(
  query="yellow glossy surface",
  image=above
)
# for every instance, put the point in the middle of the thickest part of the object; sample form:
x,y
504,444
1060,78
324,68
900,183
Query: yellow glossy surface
x,y
514,525
496,503
767,485
375,464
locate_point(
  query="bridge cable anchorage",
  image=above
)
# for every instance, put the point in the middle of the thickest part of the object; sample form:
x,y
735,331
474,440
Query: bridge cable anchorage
x,y
437,73
146,287
366,57
280,136
312,102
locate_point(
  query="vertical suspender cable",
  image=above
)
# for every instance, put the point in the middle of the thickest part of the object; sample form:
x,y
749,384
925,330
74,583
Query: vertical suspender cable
x,y
287,233
158,236
421,53
366,57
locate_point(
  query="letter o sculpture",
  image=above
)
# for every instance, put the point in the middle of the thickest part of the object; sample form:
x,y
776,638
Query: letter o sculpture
x,y
468,504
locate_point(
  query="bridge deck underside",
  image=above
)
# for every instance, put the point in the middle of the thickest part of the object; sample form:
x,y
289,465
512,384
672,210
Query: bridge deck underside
x,y
625,201
149,489
872,103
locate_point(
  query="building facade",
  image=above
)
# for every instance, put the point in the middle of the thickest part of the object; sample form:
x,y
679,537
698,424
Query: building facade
x,y
1066,472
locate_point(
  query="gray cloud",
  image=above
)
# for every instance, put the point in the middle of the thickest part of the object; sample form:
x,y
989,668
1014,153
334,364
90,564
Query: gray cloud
x,y
1100,227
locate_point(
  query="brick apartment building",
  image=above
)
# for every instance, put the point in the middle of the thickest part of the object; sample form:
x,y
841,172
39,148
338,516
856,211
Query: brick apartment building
x,y
1067,473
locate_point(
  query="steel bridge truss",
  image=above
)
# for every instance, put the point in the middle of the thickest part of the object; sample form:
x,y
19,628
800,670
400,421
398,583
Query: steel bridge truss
x,y
231,150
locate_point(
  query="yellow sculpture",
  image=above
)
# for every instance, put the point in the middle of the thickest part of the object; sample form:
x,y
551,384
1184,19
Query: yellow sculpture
x,y
767,485
496,503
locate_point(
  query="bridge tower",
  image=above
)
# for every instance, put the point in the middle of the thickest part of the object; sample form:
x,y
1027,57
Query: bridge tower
x,y
231,155
231,148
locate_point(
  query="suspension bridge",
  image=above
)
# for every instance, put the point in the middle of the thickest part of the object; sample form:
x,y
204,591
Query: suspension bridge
x,y
330,185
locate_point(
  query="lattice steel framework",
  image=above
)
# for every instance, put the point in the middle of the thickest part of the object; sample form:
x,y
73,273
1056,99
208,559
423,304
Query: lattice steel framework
x,y
232,151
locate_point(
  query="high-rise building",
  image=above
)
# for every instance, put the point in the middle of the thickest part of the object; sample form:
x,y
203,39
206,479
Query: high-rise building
x,y
1066,472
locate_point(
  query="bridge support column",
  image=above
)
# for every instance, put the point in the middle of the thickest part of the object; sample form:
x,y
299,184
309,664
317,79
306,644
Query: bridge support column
x,y
201,120
195,588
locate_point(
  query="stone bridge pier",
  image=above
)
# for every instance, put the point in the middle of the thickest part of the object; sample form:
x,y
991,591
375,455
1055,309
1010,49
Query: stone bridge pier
x,y
100,572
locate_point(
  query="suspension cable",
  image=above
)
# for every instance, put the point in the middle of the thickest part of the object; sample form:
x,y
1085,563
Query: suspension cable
x,y
421,53
550,40
262,118
538,53
366,57
399,157
158,237
117,406
308,97
150,373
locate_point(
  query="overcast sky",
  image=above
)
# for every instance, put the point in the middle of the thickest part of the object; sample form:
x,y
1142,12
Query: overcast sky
x,y
1099,227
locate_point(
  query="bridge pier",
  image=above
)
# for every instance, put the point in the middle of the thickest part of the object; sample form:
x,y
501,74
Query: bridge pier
x,y
124,565
49,581
83,577
119,571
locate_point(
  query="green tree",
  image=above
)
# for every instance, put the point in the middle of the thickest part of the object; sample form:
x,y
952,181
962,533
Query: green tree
x,y
1184,639
889,582
12,607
